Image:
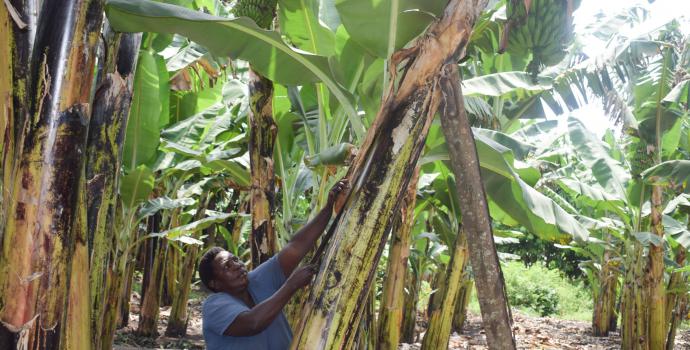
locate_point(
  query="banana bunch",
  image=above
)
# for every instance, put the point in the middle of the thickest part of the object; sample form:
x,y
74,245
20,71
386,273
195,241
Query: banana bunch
x,y
545,30
260,11
640,158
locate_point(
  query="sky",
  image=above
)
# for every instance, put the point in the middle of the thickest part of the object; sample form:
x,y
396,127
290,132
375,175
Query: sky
x,y
661,11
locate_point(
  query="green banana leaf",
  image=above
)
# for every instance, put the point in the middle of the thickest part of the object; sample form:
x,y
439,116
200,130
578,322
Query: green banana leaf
x,y
682,200
182,233
182,52
163,91
504,83
592,196
680,94
142,134
136,186
298,20
383,26
676,230
512,200
539,134
672,172
238,38
520,149
647,238
594,153
163,203
195,135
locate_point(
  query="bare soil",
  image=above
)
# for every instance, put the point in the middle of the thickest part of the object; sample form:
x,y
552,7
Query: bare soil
x,y
533,333
127,338
542,333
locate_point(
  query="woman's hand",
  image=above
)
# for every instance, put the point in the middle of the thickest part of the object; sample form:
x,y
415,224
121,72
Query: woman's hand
x,y
301,277
338,195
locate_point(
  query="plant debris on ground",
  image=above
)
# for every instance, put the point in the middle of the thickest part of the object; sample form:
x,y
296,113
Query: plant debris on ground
x,y
542,333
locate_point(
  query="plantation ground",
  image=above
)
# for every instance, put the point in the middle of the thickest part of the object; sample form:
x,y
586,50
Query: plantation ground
x,y
568,329
530,332
542,333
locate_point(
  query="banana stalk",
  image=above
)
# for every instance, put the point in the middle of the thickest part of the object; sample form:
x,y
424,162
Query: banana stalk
x,y
150,287
634,307
676,286
262,137
460,314
605,300
77,331
676,302
657,291
177,322
17,34
39,238
380,175
441,318
104,149
413,285
391,309
476,220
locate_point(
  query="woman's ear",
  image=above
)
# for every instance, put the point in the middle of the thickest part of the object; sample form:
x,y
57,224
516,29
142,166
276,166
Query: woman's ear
x,y
212,285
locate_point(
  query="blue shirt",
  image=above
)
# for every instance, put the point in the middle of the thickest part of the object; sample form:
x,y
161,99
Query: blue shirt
x,y
221,309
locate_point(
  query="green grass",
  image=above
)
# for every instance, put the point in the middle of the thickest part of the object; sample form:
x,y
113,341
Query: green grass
x,y
574,301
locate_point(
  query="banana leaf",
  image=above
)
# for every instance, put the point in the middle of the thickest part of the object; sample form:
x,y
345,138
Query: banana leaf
x,y
504,83
512,200
136,186
298,20
141,137
594,153
238,38
672,172
383,26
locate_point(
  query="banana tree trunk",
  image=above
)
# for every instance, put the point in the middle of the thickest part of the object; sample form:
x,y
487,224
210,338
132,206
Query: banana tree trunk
x,y
460,315
676,285
104,149
113,285
367,331
391,309
39,238
409,321
679,313
77,331
380,175
605,300
441,318
491,293
7,136
177,322
676,297
125,294
262,136
438,285
16,43
634,307
655,277
150,287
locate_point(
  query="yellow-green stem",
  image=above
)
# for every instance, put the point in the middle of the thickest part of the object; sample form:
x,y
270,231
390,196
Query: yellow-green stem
x,y
441,318
391,309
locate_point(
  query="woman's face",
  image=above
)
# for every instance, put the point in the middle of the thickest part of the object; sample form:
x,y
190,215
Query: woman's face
x,y
229,274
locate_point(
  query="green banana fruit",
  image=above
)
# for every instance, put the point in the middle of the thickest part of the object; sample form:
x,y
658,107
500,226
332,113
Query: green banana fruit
x,y
544,30
260,11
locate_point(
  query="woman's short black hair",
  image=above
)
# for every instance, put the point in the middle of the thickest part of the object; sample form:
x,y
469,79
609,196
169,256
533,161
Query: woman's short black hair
x,y
206,266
